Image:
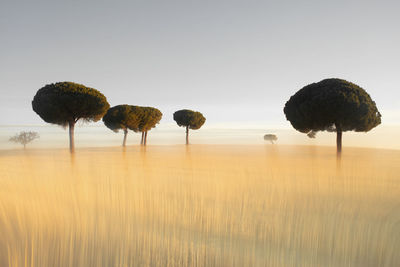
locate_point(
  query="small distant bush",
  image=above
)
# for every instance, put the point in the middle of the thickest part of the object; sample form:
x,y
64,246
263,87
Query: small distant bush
x,y
24,138
270,137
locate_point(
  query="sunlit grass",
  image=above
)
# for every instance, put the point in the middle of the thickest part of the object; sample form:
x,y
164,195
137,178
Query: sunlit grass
x,y
200,206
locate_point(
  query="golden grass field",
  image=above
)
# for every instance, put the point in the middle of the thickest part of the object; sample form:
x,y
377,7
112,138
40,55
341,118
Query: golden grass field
x,y
200,205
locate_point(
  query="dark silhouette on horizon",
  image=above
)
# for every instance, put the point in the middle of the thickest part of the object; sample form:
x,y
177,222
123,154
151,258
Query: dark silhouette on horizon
x,y
149,118
190,120
270,137
333,105
123,117
65,103
24,138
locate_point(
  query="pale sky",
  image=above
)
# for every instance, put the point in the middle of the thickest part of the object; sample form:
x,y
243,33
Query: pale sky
x,y
235,61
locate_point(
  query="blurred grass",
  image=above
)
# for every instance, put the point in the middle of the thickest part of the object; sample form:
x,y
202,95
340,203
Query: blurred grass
x,y
200,205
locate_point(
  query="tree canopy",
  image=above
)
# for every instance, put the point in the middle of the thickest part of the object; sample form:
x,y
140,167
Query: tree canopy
x,y
149,118
135,118
332,105
189,118
64,102
123,117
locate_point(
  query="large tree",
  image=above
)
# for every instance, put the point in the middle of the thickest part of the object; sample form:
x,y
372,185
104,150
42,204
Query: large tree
x,y
123,117
65,103
190,120
149,118
333,105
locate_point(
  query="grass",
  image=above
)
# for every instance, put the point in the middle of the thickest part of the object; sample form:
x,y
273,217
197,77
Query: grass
x,y
200,206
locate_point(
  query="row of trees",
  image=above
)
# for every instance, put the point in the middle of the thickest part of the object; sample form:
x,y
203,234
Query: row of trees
x,y
135,118
142,119
333,105
25,138
65,103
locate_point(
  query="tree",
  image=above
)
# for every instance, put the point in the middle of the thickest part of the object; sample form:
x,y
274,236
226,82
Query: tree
x,y
270,137
24,138
65,103
332,105
149,118
189,119
123,117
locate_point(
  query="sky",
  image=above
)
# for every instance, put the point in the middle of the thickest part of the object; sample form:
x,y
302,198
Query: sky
x,y
237,62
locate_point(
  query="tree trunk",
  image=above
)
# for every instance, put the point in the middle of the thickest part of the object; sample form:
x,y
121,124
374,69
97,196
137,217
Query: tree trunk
x,y
142,139
187,135
339,142
71,137
145,137
24,146
125,134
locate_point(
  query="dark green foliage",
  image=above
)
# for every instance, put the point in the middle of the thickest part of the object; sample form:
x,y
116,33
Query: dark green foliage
x,y
123,117
332,105
189,118
149,118
135,118
64,102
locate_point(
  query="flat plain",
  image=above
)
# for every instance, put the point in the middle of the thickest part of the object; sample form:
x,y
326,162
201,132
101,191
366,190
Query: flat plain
x,y
200,205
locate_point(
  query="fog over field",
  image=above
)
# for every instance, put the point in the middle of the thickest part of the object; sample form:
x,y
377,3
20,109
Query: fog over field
x,y
217,100
200,205
97,135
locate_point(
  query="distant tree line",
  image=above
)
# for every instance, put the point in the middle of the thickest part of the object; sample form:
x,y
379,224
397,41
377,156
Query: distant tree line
x,y
333,105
